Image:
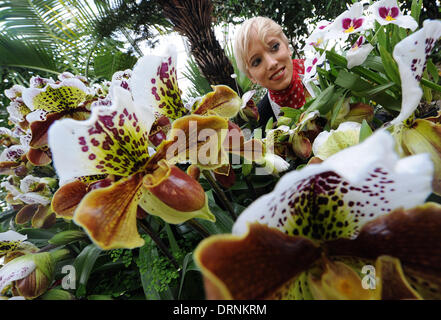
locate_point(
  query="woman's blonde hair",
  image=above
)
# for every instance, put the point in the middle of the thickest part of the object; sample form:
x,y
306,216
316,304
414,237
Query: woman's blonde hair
x,y
263,26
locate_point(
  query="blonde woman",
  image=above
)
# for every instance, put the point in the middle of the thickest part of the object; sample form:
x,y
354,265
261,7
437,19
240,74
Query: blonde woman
x,y
262,53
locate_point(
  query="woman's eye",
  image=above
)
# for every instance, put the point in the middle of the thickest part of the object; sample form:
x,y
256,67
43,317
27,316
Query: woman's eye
x,y
255,62
275,46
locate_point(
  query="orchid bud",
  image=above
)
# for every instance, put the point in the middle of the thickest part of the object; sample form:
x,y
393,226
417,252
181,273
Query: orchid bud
x,y
301,145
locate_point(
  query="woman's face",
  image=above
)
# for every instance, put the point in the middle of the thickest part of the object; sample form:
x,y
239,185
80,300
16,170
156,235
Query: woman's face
x,y
269,64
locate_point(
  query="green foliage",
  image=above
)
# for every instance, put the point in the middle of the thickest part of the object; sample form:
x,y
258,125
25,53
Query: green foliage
x,y
294,16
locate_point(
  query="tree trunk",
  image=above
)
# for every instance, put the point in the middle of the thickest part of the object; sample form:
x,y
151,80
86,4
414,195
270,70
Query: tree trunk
x,y
192,19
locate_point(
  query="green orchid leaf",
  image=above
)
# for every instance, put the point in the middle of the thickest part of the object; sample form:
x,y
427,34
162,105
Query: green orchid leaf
x,y
374,63
432,70
365,131
376,90
430,84
83,265
322,100
427,93
390,66
416,9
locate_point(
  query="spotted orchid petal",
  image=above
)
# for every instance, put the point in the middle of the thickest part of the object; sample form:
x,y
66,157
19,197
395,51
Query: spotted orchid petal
x,y
255,265
387,11
358,53
328,143
411,55
114,140
13,153
66,95
16,269
336,197
11,241
350,21
311,67
154,83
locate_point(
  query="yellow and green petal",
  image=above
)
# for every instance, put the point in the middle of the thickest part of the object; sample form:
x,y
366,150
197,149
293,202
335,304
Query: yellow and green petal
x,y
108,215
255,265
424,137
64,96
114,140
223,101
198,139
328,143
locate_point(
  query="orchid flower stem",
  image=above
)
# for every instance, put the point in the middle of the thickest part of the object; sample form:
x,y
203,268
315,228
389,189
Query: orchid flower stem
x,y
198,228
220,193
251,187
48,248
148,229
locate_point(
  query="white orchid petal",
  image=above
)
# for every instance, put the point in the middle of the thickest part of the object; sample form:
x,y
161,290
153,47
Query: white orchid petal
x,y
16,269
336,197
37,115
11,235
28,182
411,55
33,198
247,97
357,56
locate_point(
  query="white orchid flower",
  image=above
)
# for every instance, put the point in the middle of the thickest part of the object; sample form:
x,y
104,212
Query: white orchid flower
x,y
387,11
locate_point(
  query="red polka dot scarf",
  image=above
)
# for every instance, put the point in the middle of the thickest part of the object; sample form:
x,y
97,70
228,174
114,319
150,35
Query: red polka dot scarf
x,y
294,95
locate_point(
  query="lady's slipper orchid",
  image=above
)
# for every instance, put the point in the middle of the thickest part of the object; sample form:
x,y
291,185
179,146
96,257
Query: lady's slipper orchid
x,y
387,11
30,275
336,207
114,141
358,53
328,143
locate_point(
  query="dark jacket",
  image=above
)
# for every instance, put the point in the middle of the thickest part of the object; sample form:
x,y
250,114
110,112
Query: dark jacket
x,y
265,111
